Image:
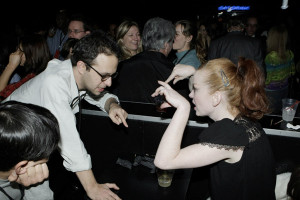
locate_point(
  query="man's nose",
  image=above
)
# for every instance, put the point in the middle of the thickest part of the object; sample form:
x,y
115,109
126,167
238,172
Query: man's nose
x,y
108,82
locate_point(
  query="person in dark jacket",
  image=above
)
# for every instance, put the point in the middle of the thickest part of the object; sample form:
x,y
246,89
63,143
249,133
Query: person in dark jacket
x,y
138,76
235,44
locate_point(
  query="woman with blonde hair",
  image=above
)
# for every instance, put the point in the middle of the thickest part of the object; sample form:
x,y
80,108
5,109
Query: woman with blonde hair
x,y
202,43
128,38
280,66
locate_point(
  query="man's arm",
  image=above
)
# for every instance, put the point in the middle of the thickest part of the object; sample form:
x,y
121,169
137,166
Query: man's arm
x,y
76,158
109,103
117,114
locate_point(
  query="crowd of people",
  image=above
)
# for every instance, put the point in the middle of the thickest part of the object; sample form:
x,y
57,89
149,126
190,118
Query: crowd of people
x,y
230,70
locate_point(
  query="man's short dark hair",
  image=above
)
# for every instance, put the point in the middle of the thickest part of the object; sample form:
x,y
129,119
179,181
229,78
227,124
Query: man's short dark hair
x,y
82,18
27,132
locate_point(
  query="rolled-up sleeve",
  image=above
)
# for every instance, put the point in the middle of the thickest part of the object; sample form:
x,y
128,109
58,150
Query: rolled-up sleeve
x,y
101,101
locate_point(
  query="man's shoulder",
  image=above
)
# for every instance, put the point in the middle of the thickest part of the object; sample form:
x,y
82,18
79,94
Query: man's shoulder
x,y
253,39
217,40
58,67
56,62
143,58
241,40
248,39
57,72
221,39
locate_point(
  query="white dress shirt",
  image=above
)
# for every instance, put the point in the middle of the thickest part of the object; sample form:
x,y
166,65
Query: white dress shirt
x,y
54,89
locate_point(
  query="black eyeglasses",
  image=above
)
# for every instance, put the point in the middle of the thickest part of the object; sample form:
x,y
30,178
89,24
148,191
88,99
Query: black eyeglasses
x,y
103,77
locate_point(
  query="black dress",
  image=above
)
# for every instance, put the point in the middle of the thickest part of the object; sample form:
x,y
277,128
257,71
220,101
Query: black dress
x,y
253,177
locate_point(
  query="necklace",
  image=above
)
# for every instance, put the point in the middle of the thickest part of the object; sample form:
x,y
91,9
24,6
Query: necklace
x,y
178,61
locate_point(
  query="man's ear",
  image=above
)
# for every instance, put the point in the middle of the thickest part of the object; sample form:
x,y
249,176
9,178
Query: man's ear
x,y
18,169
81,67
165,49
216,98
167,46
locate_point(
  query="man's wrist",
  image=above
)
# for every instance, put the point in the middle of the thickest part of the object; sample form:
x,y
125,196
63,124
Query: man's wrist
x,y
87,180
109,103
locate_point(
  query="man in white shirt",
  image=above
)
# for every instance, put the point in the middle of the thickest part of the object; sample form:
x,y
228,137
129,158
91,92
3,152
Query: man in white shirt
x,y
60,88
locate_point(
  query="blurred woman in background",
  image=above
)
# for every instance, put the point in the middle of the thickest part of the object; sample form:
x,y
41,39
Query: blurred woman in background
x,y
184,44
129,39
32,54
279,66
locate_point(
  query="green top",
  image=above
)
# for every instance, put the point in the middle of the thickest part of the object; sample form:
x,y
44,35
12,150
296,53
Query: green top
x,y
279,70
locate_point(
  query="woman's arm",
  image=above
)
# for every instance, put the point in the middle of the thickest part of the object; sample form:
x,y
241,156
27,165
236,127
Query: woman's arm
x,y
181,72
169,146
14,62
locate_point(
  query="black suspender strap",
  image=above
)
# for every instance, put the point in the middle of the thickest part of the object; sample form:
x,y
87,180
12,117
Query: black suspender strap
x,y
75,101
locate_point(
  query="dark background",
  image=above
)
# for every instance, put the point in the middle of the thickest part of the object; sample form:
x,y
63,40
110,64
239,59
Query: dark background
x,y
111,10
41,14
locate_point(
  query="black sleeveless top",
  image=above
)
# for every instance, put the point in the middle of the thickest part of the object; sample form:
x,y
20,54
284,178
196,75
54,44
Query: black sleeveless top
x,y
253,177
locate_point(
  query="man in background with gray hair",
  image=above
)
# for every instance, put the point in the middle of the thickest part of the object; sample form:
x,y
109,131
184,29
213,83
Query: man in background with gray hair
x,y
138,75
